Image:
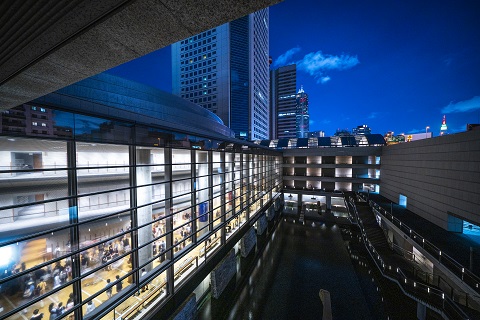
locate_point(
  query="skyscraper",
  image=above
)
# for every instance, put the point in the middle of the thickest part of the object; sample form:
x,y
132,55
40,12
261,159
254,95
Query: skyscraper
x,y
225,70
283,87
302,117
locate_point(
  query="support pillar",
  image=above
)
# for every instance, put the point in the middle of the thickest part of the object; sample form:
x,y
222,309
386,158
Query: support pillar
x,y
169,218
421,311
203,187
328,200
144,213
73,220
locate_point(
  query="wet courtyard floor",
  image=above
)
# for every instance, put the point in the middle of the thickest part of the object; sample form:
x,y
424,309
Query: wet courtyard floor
x,y
296,263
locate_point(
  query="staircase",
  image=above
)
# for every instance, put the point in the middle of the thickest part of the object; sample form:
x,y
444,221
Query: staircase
x,y
395,267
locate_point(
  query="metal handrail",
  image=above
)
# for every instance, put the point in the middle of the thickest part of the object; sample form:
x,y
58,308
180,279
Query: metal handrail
x,y
468,277
411,287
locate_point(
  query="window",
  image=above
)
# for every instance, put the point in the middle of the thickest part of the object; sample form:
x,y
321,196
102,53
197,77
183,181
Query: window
x,y
44,124
34,123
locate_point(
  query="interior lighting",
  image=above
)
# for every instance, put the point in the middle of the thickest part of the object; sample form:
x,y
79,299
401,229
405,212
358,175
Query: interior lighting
x,y
6,254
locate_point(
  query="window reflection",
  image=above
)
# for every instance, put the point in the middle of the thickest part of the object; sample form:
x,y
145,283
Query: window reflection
x,y
208,197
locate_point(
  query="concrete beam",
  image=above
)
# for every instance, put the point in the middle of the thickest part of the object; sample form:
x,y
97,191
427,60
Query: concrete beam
x,y
47,45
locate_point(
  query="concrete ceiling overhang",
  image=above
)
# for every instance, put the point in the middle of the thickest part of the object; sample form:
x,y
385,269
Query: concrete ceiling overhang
x,y
47,45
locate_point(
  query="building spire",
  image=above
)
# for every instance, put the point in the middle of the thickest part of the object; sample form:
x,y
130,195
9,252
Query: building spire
x,y
301,89
443,128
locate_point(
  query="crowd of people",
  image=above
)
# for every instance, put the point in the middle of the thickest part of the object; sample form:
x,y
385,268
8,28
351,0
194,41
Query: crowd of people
x,y
56,310
52,276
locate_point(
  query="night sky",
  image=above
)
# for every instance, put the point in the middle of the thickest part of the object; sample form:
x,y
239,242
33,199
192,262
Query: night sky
x,y
395,65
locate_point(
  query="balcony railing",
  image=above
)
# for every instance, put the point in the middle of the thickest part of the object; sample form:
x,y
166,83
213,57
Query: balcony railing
x,y
359,176
468,277
430,296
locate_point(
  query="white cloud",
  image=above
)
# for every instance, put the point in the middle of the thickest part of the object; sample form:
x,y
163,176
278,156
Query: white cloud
x,y
284,58
463,106
324,79
317,63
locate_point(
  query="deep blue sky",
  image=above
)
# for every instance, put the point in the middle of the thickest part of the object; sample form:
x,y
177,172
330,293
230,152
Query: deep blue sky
x,y
395,65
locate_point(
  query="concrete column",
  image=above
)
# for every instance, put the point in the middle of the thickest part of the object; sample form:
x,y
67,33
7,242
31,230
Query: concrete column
x,y
421,311
73,220
144,213
328,200
223,197
169,219
203,191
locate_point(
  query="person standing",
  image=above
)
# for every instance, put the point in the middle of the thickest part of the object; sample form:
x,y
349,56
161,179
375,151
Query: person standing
x,y
53,311
36,315
41,286
60,309
119,284
90,307
109,289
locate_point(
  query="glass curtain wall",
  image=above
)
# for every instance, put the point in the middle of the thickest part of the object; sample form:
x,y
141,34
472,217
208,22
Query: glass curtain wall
x,y
113,224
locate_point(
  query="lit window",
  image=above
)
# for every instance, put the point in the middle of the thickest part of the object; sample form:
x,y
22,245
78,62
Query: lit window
x,y
34,108
43,110
34,123
44,124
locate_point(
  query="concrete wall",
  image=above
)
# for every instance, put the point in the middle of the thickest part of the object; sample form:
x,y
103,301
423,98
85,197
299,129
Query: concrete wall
x,y
248,242
262,224
439,176
223,273
187,310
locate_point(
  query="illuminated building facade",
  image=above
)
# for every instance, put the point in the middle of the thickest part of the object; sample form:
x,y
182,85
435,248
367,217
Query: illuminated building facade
x,y
301,114
363,129
149,189
226,71
283,87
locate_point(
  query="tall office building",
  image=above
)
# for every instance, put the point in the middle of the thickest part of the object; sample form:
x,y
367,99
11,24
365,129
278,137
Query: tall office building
x,y
225,70
302,117
283,87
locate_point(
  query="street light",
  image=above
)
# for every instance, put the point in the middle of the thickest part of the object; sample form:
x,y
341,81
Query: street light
x,y
426,130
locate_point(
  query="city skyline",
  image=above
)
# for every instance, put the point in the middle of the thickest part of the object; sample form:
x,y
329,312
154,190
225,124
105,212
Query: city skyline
x,y
397,66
